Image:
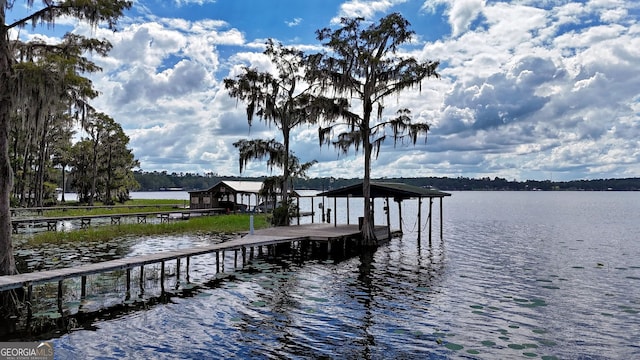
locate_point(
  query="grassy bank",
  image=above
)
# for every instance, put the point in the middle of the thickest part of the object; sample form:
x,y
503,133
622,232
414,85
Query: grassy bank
x,y
196,225
130,206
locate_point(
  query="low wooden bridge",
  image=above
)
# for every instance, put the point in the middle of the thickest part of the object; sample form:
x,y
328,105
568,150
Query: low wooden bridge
x,y
42,209
51,223
328,233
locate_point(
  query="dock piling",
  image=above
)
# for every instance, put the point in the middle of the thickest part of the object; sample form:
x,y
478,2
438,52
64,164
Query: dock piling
x,y
188,261
419,220
430,218
441,235
83,290
128,293
177,271
162,276
141,281
29,296
60,296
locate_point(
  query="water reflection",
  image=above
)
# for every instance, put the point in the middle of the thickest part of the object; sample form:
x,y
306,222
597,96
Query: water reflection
x,y
516,276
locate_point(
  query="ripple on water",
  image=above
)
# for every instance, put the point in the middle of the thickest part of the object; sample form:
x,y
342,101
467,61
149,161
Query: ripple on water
x,y
517,276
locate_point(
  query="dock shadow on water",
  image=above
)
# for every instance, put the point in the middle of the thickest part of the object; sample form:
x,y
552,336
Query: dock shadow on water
x,y
54,309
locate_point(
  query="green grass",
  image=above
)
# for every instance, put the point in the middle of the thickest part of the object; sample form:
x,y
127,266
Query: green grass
x,y
196,225
134,206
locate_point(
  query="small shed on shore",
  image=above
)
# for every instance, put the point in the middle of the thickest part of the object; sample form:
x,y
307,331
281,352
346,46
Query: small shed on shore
x,y
224,196
398,192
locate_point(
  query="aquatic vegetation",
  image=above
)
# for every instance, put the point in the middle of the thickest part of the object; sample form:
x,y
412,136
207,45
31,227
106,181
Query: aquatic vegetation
x,y
204,224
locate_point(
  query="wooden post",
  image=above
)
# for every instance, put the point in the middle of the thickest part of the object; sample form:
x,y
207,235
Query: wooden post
x,y
177,271
335,212
222,262
312,211
128,293
441,237
430,218
29,296
419,219
235,202
141,280
244,256
60,296
235,258
188,263
217,262
83,290
388,218
298,209
162,276
400,214
348,196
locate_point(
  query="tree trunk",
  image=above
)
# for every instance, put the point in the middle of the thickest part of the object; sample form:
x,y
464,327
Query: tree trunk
x,y
368,233
43,154
64,188
107,196
95,173
23,171
7,261
287,173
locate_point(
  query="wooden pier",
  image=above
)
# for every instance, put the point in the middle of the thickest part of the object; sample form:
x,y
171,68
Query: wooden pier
x,y
41,209
328,233
85,220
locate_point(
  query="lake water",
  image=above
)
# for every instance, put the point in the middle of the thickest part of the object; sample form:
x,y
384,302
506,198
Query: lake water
x,y
517,275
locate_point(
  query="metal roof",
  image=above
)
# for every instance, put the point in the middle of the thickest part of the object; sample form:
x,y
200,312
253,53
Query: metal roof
x,y
386,189
252,187
240,187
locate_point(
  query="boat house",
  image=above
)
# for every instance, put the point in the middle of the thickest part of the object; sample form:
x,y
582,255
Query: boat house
x,y
396,191
227,196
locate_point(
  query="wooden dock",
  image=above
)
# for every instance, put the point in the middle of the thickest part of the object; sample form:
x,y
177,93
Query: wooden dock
x,y
41,209
85,220
328,233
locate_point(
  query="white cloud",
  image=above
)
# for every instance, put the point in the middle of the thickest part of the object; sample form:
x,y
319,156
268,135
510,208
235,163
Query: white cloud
x,y
540,95
527,89
366,9
295,22
461,13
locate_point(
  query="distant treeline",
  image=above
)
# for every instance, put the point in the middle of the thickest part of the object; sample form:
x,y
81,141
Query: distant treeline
x,y
158,181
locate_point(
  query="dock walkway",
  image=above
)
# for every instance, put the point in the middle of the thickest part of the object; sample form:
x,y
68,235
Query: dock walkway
x,y
261,237
41,209
85,220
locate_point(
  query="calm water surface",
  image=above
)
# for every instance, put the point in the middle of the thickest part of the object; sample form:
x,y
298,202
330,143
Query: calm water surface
x,y
518,275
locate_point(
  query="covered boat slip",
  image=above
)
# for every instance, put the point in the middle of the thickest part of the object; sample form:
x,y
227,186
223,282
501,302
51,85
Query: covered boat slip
x,y
396,191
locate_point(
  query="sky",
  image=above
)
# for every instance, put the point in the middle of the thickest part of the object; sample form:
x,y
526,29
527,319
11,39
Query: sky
x,y
529,89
